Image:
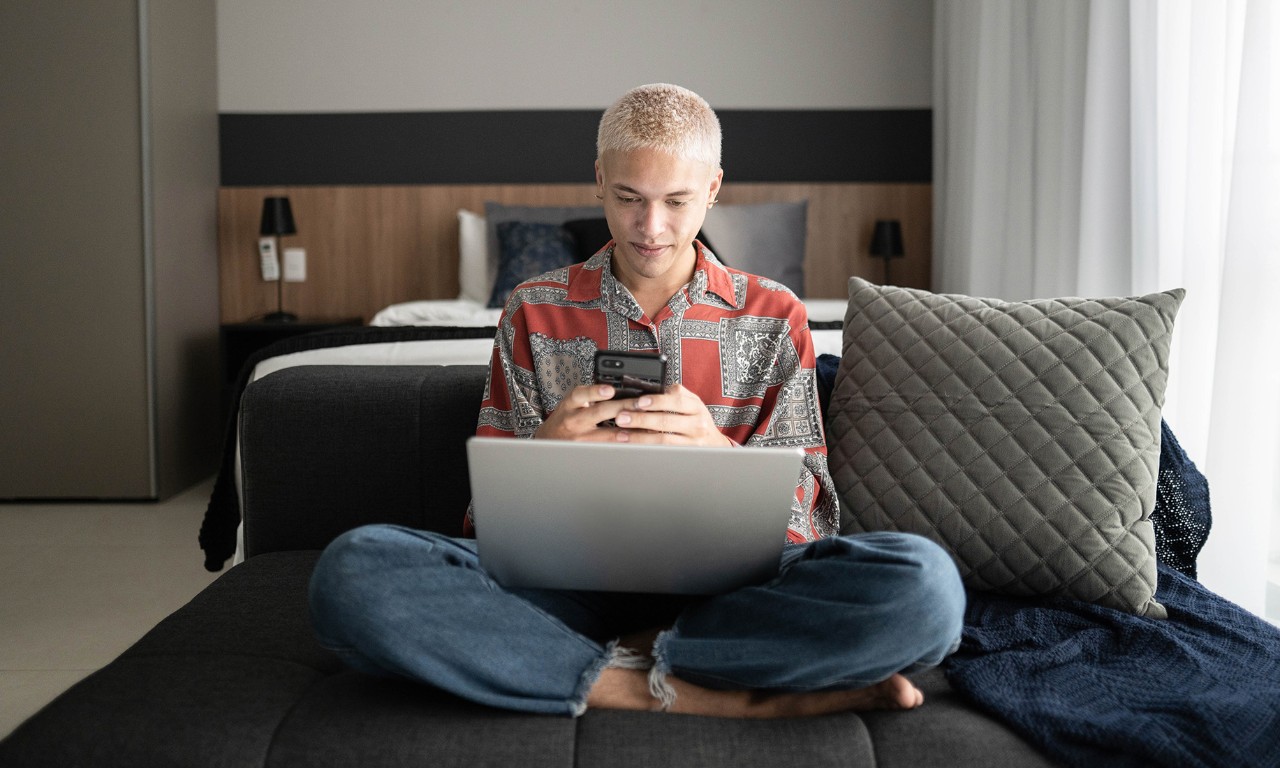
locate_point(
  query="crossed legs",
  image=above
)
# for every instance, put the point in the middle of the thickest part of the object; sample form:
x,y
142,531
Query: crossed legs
x,y
834,631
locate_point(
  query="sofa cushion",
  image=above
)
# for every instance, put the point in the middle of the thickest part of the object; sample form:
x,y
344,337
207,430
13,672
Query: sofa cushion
x,y
640,740
353,719
327,448
947,730
257,609
175,710
1023,436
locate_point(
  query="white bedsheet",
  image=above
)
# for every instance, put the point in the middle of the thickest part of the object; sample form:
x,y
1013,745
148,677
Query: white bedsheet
x,y
436,352
468,313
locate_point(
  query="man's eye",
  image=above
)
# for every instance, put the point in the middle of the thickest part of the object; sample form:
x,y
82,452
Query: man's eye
x,y
628,200
677,203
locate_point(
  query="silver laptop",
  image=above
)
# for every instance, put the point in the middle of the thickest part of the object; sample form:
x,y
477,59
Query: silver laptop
x,y
630,518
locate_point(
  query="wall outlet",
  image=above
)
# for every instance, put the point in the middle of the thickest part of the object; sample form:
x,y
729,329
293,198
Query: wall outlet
x,y
270,264
295,265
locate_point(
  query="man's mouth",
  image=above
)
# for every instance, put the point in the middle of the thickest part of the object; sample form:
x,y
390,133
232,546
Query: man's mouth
x,y
650,250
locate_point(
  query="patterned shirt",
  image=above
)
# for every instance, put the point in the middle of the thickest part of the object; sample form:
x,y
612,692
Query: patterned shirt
x,y
738,341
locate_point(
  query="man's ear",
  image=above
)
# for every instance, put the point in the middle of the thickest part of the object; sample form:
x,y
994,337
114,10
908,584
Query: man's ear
x,y
599,182
716,181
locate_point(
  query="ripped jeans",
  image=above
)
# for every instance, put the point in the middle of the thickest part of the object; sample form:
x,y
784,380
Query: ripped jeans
x,y
842,613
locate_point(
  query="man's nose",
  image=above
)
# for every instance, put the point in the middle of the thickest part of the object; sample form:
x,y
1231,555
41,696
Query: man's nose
x,y
651,221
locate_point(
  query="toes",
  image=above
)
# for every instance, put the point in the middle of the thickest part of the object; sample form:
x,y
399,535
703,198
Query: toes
x,y
900,693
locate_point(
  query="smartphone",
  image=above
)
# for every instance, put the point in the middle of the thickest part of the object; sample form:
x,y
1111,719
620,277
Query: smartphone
x,y
631,374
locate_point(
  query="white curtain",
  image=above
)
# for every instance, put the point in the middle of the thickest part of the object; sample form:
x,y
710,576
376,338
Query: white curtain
x,y
1110,147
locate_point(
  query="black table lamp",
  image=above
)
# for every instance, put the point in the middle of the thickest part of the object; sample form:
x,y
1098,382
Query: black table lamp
x,y
886,242
277,220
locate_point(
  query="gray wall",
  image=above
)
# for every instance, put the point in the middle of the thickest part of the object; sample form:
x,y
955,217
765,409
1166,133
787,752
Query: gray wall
x,y
393,55
108,299
108,275
184,171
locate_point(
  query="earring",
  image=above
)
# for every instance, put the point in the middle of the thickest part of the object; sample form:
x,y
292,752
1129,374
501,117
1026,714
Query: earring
x,y
599,197
712,203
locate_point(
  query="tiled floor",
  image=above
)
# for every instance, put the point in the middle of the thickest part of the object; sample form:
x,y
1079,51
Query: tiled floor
x,y
79,583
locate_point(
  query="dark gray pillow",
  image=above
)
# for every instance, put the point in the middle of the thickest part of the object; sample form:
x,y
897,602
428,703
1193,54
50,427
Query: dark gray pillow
x,y
765,239
1022,436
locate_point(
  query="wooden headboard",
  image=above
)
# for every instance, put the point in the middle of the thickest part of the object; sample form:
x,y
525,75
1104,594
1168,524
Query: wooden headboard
x,y
372,246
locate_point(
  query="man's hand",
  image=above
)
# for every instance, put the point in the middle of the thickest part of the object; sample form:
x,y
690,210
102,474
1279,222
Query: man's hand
x,y
675,417
580,413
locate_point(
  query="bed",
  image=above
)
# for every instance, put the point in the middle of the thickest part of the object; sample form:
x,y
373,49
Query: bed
x,y
509,243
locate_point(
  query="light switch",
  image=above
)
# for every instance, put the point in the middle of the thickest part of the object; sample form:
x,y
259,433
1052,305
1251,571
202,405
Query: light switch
x,y
295,265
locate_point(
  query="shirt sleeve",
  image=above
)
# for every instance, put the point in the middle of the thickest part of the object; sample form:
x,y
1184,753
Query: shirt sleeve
x,y
791,415
511,406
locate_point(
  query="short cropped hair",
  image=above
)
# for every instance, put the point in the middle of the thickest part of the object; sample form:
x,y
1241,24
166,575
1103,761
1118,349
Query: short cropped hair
x,y
664,117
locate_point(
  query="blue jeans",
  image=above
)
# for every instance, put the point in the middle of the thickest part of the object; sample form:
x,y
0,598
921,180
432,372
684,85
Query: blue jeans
x,y
844,612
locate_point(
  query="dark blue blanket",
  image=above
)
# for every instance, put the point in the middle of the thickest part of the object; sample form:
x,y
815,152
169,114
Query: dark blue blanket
x,y
1094,686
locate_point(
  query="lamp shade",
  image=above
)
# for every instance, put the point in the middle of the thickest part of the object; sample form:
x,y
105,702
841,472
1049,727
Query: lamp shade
x,y
277,217
886,240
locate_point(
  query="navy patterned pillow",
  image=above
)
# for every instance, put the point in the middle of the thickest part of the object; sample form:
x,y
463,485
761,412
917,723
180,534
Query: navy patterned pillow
x,y
527,250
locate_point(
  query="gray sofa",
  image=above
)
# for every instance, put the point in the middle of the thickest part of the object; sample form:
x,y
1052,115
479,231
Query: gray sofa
x,y
235,678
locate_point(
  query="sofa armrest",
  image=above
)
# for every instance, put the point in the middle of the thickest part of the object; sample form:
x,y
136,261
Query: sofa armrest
x,y
327,448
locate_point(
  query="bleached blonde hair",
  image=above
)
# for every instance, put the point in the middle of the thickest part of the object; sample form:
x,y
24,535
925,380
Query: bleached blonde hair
x,y
664,117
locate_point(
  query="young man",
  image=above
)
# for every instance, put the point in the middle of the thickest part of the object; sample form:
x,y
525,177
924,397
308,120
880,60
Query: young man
x,y
835,630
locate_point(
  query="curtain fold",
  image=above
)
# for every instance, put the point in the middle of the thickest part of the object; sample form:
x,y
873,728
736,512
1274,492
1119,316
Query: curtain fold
x,y
1093,147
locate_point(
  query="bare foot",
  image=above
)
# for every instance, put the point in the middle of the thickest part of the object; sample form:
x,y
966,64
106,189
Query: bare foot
x,y
629,689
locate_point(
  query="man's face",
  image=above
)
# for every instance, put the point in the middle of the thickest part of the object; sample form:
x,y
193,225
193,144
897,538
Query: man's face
x,y
655,204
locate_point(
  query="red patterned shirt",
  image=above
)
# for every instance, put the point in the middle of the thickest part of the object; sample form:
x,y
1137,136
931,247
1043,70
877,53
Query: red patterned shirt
x,y
738,341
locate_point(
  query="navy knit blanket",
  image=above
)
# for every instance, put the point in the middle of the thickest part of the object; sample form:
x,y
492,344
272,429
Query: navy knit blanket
x,y
1094,686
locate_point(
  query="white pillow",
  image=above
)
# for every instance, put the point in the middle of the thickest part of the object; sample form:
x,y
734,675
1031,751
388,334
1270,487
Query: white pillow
x,y
455,312
824,310
475,271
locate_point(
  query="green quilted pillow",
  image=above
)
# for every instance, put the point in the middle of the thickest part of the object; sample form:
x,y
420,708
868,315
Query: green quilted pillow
x,y
1022,436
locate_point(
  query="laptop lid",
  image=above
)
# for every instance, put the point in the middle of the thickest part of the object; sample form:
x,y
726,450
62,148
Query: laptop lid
x,y
630,518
